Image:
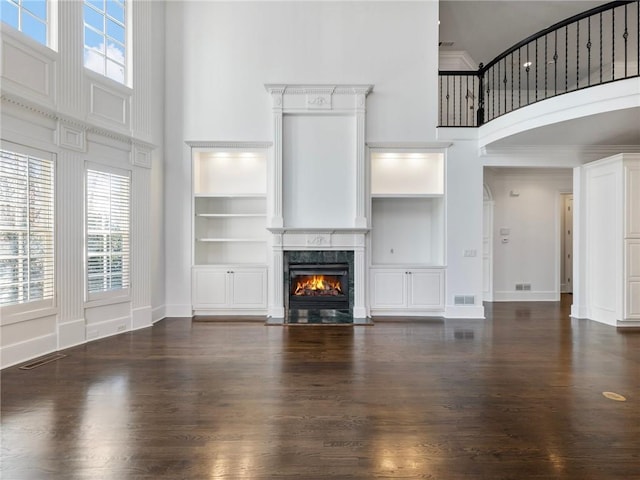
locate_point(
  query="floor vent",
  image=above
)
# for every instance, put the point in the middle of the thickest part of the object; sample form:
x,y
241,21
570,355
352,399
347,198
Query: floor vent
x,y
42,361
464,300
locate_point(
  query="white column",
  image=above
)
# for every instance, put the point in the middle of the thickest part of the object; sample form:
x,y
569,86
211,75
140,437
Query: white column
x,y
70,248
140,250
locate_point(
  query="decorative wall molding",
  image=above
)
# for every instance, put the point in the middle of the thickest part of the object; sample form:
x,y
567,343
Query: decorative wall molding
x,y
70,137
238,144
87,127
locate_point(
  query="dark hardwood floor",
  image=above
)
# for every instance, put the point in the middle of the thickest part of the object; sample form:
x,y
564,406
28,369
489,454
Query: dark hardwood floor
x,y
517,396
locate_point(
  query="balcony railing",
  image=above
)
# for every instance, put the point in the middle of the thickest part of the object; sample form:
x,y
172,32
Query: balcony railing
x,y
598,46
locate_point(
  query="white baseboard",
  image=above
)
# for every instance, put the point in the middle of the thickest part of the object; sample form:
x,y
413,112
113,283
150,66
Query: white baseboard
x,y
158,313
529,296
22,351
141,318
578,311
71,333
178,311
464,311
406,313
107,328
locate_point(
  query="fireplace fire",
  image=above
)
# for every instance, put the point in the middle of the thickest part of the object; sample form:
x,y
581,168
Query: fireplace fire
x,y
319,286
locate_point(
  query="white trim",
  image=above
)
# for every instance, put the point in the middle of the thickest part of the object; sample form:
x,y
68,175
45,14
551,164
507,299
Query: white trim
x,y
71,334
180,310
529,296
466,311
21,352
158,313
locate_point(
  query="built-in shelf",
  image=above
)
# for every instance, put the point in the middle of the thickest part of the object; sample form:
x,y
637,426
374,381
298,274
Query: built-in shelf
x,y
229,206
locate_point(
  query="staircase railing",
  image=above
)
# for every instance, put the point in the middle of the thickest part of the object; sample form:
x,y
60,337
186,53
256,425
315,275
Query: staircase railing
x,y
598,46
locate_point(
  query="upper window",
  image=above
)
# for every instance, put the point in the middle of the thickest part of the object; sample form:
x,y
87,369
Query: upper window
x,y
26,228
108,240
28,16
105,34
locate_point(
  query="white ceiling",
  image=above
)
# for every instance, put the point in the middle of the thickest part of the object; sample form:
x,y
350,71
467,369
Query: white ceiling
x,y
484,29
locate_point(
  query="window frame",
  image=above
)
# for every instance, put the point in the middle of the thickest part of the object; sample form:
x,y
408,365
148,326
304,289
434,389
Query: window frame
x,y
104,34
49,22
31,309
108,296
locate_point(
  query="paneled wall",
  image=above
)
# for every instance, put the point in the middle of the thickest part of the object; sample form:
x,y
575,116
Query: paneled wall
x,y
50,102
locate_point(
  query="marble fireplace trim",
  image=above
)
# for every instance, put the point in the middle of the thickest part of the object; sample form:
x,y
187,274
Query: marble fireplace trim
x,y
284,239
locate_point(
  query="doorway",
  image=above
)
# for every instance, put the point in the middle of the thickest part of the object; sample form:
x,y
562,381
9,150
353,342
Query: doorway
x,y
566,243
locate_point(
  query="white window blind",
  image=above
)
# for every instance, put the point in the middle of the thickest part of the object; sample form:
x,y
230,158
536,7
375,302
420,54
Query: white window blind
x,y
26,228
108,238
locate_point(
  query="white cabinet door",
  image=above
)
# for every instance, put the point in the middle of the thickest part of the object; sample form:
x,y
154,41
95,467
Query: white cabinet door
x,y
425,290
388,288
209,287
248,288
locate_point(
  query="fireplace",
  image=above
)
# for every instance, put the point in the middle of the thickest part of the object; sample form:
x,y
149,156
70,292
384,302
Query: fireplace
x,y
319,286
318,280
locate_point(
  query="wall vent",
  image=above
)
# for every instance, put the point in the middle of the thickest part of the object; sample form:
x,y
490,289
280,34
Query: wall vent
x,y
464,300
445,44
523,287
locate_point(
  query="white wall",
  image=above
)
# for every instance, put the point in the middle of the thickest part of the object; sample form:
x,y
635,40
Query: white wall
x,y
220,55
51,103
527,204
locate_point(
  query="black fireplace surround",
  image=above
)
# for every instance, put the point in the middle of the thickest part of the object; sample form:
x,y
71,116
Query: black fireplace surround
x,y
318,280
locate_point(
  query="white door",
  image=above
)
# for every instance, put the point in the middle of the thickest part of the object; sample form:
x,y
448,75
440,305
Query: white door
x,y
249,288
566,241
487,251
426,290
209,287
388,288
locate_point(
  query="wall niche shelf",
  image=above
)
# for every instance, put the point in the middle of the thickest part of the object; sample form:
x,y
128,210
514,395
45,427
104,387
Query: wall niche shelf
x,y
230,240
407,238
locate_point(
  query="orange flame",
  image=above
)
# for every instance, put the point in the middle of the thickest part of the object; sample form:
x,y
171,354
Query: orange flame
x,y
316,282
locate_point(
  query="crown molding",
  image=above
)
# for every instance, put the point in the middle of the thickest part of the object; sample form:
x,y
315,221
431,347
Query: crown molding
x,y
227,144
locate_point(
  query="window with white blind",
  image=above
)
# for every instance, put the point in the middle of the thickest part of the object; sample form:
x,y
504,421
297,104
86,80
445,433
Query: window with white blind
x,y
26,228
108,207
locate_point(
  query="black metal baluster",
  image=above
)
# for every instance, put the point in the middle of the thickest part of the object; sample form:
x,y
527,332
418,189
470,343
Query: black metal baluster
x,y
441,99
512,81
613,44
447,98
600,47
625,35
589,53
577,55
493,92
528,69
466,109
498,88
519,79
505,85
566,58
461,97
638,34
555,64
480,113
473,102
453,107
546,65
536,79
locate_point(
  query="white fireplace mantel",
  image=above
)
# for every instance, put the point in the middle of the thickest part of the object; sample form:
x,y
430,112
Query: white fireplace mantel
x,y
328,122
